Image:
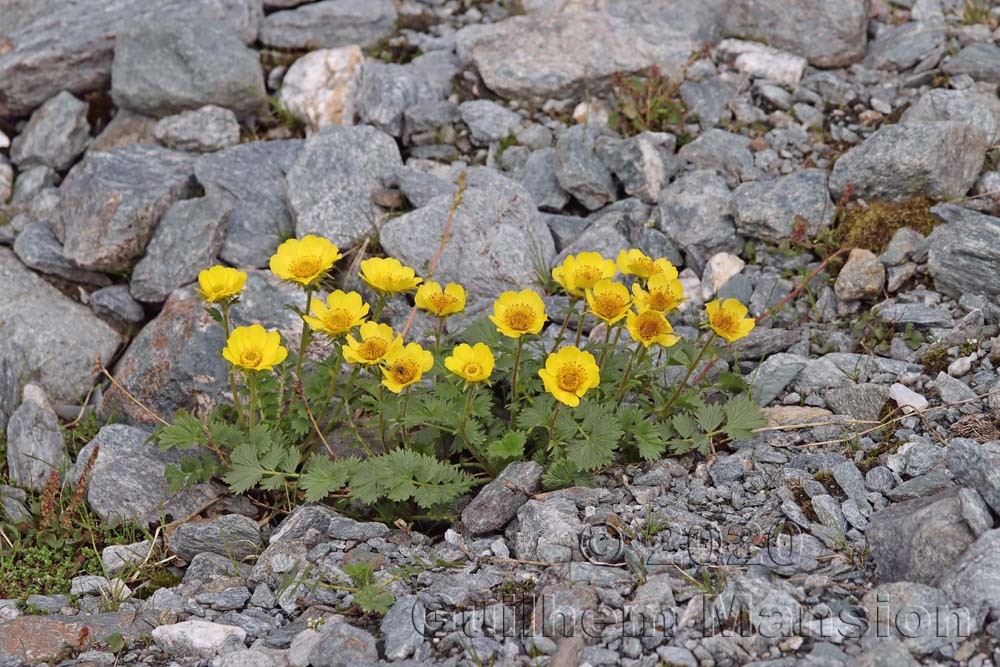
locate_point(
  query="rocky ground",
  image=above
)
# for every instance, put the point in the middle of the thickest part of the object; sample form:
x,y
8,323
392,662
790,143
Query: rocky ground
x,y
143,141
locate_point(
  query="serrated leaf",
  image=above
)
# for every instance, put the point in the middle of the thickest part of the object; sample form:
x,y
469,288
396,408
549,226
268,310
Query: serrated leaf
x,y
597,439
373,600
732,382
537,414
684,424
245,471
743,416
510,446
184,433
709,416
559,475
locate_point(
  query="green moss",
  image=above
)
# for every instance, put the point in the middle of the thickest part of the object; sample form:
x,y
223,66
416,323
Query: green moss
x,y
159,579
935,361
872,227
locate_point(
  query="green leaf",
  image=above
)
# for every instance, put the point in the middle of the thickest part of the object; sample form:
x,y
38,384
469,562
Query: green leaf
x,y
649,438
510,446
732,382
536,414
559,475
709,416
245,471
406,474
373,600
743,416
599,437
186,432
323,476
685,425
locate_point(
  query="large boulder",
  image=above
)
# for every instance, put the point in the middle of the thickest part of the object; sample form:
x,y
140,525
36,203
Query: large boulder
x,y
964,253
46,337
828,34
68,46
163,68
176,360
331,184
498,238
937,159
330,23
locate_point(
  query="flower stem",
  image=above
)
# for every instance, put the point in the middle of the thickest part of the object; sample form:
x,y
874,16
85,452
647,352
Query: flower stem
x,y
606,347
465,415
402,426
687,376
232,375
381,414
379,306
579,326
254,409
562,330
637,355
513,379
304,340
552,423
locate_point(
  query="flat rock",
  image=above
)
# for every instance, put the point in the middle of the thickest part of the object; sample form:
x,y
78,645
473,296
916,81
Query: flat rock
x,y
975,575
203,130
643,164
980,61
861,277
69,47
35,445
176,360
198,639
965,106
934,159
497,239
498,502
250,179
127,479
922,617
774,210
386,91
55,353
835,37
977,466
330,186
918,539
165,67
547,530
39,248
112,201
723,151
580,171
964,253
115,302
774,374
230,535
43,639
858,401
538,176
488,121
186,241
330,23
903,46
55,136
696,215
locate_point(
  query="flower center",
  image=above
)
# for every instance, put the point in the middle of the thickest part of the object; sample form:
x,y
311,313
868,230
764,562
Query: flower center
x,y
661,300
643,267
570,377
586,276
649,328
519,316
473,369
608,305
726,322
442,301
250,357
403,372
339,319
373,349
305,266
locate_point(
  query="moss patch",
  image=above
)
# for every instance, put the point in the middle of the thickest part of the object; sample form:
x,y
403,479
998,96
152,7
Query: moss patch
x,y
872,227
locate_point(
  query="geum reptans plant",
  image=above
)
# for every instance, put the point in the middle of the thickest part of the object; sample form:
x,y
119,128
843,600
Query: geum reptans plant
x,y
406,422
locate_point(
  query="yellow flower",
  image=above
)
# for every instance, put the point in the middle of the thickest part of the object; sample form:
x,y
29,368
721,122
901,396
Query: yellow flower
x,y
471,363
341,313
650,326
220,283
663,293
441,302
388,275
519,313
635,262
729,319
579,272
304,260
609,300
254,348
377,340
405,365
569,374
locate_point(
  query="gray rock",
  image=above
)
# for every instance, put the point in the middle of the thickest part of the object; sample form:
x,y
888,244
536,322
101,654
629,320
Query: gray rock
x,y
828,512
175,361
127,478
330,23
921,457
6,179
69,47
14,503
386,91
964,253
498,502
975,512
887,652
965,106
836,30
341,645
116,303
403,628
724,151
122,558
430,116
952,390
488,121
976,466
939,160
55,136
112,201
124,129
644,163
774,374
708,100
344,528
32,181
231,535
538,176
498,238
186,241
849,478
198,639
55,353
973,578
921,616
905,45
859,401
918,539
769,602
580,171
604,235
164,67
914,313
980,61
35,445
772,210
47,604
38,247
837,369
542,57
331,183
696,215
225,600
250,178
203,130
547,530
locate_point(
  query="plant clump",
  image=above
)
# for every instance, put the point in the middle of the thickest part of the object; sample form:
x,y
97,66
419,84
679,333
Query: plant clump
x,y
872,226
